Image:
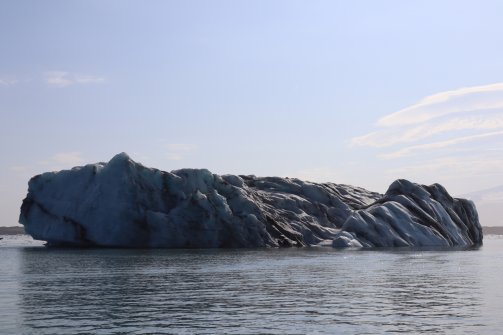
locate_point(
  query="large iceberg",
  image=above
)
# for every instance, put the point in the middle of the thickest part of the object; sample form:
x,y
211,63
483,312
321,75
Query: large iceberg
x,y
125,204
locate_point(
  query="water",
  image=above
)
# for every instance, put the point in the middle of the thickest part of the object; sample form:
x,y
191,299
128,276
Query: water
x,y
287,291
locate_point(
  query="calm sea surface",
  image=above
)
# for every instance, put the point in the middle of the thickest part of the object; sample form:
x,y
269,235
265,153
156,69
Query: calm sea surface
x,y
286,291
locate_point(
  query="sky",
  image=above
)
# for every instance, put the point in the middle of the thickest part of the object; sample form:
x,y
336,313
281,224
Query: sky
x,y
354,92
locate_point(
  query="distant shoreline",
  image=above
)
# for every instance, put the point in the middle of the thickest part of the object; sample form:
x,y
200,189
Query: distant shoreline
x,y
16,230
492,230
19,230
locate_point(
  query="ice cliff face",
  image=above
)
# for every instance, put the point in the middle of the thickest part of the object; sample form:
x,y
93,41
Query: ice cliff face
x,y
124,204
412,215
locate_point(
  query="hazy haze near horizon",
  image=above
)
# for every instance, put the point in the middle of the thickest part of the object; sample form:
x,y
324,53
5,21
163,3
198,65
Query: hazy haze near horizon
x,y
356,92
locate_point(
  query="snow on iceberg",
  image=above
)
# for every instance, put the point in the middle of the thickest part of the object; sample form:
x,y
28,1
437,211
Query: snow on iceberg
x,y
124,204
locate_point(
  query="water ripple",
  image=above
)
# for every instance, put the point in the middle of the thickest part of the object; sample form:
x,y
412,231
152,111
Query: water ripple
x,y
297,291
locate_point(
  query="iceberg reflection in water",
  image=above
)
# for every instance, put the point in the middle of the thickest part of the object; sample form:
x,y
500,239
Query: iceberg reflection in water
x,y
279,291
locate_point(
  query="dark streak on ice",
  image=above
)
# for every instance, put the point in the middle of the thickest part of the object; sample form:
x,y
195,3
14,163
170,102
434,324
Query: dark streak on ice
x,y
124,204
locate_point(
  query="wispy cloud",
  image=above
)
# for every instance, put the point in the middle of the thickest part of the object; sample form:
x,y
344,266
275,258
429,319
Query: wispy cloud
x,y
449,102
451,167
21,169
408,151
439,120
68,158
8,81
452,136
317,174
62,160
178,151
477,121
65,79
56,162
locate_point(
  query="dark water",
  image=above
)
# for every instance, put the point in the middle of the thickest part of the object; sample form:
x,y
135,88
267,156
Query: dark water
x,y
294,291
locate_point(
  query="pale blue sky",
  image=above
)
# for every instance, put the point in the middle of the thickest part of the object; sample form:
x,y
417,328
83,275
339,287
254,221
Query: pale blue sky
x,y
288,88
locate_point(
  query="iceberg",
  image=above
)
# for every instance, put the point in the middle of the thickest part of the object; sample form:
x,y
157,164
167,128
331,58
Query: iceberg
x,y
125,204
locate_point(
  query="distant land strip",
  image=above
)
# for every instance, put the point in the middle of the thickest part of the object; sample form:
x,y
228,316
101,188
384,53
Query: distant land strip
x,y
492,230
18,230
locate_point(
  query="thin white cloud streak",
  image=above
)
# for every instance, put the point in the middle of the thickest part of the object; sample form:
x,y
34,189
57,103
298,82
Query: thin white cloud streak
x,y
59,79
450,137
408,151
8,81
63,79
493,195
454,167
436,105
184,147
20,169
68,158
58,161
62,160
178,151
444,120
391,136
317,174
